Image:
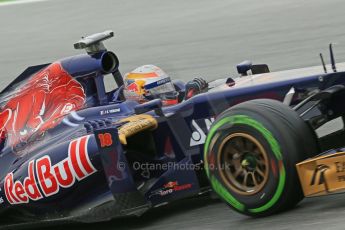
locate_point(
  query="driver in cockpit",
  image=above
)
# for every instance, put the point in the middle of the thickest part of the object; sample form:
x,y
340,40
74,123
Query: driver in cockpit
x,y
150,82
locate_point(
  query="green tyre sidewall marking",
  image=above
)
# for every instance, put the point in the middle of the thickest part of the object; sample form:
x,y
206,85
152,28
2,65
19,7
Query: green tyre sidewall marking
x,y
218,187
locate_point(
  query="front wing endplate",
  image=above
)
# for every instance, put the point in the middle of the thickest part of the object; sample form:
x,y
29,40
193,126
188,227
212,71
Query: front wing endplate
x,y
322,175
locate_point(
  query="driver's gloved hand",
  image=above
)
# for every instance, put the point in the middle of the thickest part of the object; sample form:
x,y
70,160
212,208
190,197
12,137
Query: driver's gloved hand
x,y
195,86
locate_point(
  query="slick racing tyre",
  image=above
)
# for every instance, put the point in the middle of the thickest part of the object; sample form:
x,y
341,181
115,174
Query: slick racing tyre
x,y
250,156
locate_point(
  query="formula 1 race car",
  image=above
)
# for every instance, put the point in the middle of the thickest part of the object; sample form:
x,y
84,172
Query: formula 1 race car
x,y
70,151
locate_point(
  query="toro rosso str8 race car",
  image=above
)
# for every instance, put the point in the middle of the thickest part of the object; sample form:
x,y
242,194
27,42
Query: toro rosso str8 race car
x,y
70,151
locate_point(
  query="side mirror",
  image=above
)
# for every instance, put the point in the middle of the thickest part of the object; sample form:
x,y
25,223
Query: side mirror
x,y
243,67
260,68
155,105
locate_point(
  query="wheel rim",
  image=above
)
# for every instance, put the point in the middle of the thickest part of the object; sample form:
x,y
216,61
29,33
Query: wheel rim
x,y
243,163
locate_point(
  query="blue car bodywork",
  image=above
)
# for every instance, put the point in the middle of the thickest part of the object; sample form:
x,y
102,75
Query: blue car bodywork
x,y
80,170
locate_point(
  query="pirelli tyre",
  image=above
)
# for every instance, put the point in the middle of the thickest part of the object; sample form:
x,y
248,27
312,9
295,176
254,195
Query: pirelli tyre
x,y
250,156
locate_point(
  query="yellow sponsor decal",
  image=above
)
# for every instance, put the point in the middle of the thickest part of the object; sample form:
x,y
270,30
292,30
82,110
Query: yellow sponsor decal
x,y
136,124
322,175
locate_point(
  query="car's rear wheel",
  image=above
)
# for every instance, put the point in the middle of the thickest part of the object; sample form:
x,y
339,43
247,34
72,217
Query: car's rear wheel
x,y
250,156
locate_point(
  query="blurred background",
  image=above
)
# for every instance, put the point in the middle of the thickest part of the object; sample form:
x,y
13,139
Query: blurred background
x,y
186,38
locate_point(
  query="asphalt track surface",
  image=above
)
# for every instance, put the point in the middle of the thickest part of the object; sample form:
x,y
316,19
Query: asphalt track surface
x,y
187,38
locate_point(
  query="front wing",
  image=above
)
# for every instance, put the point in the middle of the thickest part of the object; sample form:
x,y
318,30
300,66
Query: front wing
x,y
323,174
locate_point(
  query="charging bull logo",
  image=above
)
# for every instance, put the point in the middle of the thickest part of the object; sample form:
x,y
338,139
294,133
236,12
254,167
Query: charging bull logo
x,y
134,90
133,87
40,104
45,179
137,87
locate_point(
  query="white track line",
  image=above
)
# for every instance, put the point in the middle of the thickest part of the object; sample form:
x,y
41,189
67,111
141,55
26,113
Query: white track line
x,y
16,2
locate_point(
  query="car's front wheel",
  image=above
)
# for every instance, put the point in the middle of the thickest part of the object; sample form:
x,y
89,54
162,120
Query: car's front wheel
x,y
250,156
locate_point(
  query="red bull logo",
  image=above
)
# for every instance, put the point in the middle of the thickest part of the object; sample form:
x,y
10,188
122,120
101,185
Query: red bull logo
x,y
45,180
133,87
137,87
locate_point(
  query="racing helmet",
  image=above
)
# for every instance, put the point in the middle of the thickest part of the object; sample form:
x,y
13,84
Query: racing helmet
x,y
149,82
